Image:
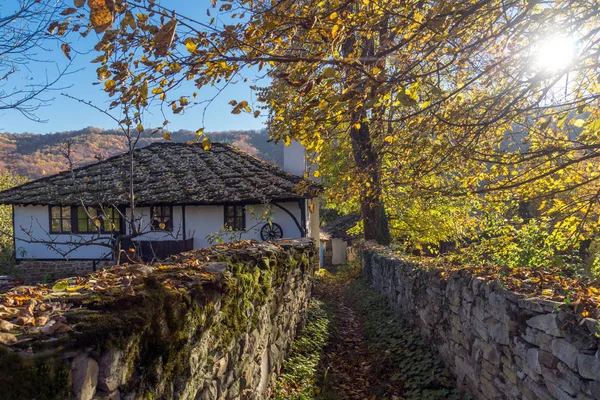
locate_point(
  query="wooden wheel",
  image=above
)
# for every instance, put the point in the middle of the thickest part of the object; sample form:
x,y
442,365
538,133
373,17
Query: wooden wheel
x,y
271,231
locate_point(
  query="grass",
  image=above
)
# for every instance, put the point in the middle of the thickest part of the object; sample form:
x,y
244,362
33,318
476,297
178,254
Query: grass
x,y
301,373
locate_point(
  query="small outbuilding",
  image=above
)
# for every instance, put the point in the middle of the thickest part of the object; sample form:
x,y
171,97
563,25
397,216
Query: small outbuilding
x,y
337,244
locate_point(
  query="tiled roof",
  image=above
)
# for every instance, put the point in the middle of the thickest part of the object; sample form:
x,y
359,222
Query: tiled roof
x,y
167,173
338,229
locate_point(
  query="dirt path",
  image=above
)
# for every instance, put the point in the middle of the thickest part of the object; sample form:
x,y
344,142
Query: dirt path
x,y
350,370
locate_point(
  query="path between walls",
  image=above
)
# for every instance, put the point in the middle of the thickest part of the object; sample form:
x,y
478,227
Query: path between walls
x,y
371,353
352,371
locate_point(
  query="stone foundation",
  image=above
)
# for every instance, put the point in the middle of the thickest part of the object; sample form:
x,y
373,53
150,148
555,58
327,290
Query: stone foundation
x,y
35,271
500,345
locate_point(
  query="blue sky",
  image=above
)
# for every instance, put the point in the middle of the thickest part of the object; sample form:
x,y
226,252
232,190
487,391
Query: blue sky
x,y
64,114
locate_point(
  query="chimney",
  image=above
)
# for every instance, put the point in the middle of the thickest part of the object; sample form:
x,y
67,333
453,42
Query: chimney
x,y
294,158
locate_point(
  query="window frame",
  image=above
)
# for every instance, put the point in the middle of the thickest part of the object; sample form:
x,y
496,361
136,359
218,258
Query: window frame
x,y
237,210
74,220
168,224
62,219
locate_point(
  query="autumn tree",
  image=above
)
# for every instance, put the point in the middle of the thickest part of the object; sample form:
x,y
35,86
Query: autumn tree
x,y
432,98
7,181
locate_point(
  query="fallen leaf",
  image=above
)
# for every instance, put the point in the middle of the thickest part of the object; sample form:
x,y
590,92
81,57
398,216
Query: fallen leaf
x,y
7,338
6,326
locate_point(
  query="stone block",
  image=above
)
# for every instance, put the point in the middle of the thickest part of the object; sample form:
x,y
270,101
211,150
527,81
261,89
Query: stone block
x,y
565,352
589,366
499,333
112,371
547,323
84,377
557,392
538,338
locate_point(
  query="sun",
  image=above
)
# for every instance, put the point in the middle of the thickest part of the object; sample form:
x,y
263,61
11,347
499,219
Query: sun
x,y
555,53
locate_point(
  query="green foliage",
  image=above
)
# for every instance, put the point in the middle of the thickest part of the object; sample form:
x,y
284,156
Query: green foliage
x,y
7,181
401,349
301,368
517,244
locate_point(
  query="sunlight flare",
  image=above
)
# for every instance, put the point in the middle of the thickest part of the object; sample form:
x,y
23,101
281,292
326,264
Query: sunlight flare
x,y
555,53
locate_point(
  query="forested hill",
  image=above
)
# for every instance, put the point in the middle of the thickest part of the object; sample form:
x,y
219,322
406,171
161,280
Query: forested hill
x,y
34,156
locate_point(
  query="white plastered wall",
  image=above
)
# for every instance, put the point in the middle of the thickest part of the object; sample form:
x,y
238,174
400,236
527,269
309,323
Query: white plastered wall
x,y
32,223
339,249
202,221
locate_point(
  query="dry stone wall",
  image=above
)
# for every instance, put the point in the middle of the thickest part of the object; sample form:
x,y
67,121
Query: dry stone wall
x,y
209,324
500,345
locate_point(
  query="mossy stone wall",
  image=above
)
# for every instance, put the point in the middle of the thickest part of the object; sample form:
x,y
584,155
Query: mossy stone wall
x,y
209,324
499,344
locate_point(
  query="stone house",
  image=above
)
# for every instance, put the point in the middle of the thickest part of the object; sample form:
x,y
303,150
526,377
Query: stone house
x,y
184,198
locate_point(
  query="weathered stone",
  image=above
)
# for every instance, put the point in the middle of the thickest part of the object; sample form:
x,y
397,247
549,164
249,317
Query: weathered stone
x,y
538,338
540,391
216,267
498,301
589,366
111,370
84,376
499,332
546,359
592,388
510,375
557,392
547,323
489,390
565,352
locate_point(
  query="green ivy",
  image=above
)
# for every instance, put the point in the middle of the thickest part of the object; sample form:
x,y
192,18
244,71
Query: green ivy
x,y
401,351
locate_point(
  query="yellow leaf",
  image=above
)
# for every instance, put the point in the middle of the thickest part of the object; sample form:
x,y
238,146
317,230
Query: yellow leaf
x,y
190,45
206,144
335,30
167,136
101,18
109,85
333,16
578,123
140,128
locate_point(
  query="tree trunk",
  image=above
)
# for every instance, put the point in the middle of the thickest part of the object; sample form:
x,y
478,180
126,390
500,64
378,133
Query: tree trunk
x,y
376,226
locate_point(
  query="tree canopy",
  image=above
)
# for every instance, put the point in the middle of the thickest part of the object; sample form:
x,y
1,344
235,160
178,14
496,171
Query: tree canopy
x,y
420,112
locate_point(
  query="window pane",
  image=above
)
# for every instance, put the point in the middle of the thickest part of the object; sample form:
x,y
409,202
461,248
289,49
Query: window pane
x,y
81,213
230,212
82,225
166,211
55,212
55,225
66,212
239,223
66,225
